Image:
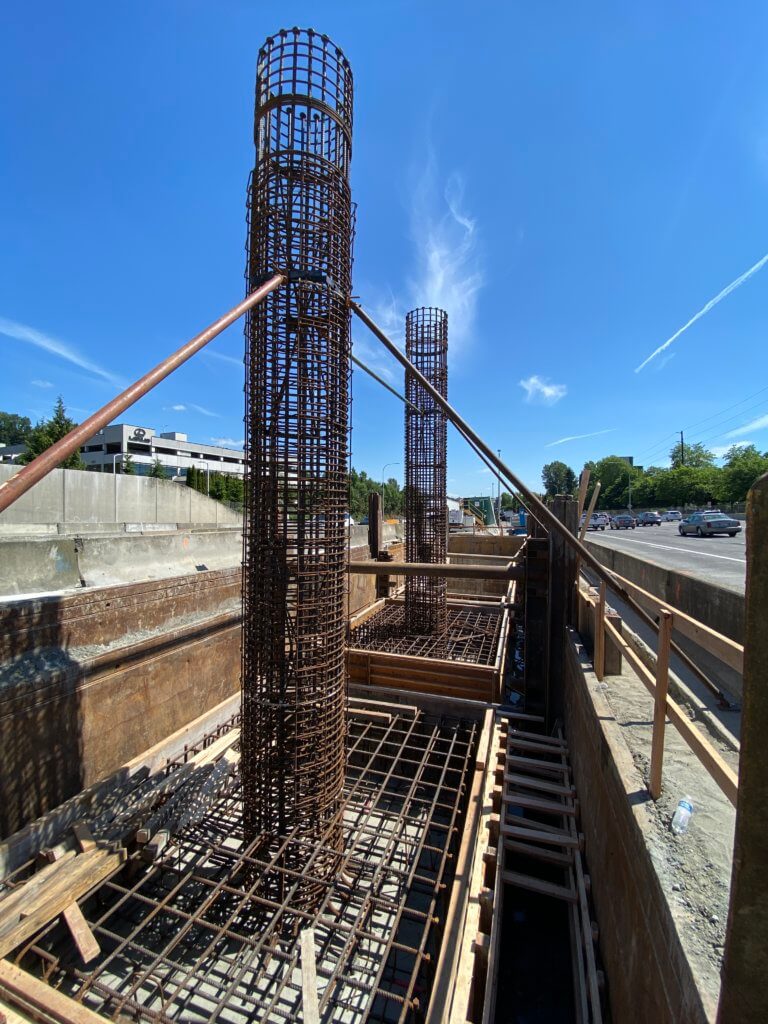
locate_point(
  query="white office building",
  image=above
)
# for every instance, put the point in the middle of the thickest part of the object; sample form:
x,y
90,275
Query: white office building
x,y
106,451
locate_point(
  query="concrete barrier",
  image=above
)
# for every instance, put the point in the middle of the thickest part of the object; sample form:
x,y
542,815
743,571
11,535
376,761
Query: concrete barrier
x,y
32,565
715,606
70,496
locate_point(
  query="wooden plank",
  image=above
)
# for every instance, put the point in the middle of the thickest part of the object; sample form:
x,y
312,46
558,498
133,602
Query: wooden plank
x,y
518,716
419,663
539,852
537,738
512,778
660,704
39,1001
533,835
510,571
74,879
309,1003
453,974
534,803
81,933
533,764
542,748
721,772
600,633
559,892
728,651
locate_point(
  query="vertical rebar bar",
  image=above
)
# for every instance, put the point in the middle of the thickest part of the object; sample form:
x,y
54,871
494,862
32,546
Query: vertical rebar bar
x,y
297,388
426,514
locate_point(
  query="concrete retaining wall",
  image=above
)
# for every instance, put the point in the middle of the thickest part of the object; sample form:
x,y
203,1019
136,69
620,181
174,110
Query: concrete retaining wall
x,y
31,564
716,607
89,680
649,975
76,497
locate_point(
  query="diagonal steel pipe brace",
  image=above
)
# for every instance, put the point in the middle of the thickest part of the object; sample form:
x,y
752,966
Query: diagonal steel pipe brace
x,y
536,505
21,482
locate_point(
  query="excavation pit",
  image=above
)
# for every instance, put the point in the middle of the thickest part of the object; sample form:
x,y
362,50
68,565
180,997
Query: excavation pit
x,y
195,937
465,661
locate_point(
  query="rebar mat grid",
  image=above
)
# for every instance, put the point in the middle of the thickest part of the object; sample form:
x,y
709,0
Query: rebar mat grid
x,y
198,938
472,635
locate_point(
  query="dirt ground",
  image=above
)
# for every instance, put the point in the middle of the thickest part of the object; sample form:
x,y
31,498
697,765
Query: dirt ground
x,y
694,868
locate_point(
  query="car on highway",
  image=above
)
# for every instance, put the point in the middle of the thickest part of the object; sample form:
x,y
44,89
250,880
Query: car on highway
x,y
649,519
707,524
597,521
673,516
623,521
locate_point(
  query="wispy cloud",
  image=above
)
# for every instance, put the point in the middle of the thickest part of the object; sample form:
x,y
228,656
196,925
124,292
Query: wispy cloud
x,y
41,383
31,336
227,442
223,358
759,424
448,263
579,437
705,309
539,390
179,407
720,450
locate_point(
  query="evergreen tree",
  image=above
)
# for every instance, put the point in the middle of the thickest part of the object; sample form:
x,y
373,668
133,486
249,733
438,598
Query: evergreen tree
x,y
157,470
48,432
128,466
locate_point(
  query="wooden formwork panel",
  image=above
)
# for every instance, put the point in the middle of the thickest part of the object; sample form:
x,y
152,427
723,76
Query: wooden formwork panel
x,y
425,675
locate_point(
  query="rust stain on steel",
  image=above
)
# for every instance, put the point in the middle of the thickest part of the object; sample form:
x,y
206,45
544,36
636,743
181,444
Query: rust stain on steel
x,y
21,482
297,394
426,432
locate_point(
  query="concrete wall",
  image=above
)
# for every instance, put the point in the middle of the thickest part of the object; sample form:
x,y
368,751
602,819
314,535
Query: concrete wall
x,y
715,606
649,976
484,544
89,680
73,496
36,564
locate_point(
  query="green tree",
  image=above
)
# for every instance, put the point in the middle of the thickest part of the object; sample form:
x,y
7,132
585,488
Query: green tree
x,y
743,465
507,501
14,429
558,479
157,470
694,456
48,432
128,466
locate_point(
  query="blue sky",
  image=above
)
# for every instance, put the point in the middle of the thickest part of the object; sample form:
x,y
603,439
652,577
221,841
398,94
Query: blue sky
x,y
572,183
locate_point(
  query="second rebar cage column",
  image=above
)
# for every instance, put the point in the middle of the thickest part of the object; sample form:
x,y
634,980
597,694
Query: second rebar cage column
x,y
297,389
426,514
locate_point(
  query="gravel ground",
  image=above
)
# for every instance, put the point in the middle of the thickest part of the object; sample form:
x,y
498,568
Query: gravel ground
x,y
695,867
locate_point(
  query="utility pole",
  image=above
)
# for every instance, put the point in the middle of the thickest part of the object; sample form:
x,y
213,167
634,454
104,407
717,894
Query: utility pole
x,y
682,450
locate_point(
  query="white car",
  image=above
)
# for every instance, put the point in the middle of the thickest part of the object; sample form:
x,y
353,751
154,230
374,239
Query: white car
x,y
597,521
672,516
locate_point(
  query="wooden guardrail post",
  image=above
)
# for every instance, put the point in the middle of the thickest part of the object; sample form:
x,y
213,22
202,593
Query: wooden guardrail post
x,y
660,703
562,585
743,997
599,655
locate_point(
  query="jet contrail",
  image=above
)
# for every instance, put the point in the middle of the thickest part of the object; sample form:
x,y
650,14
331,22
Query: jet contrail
x,y
578,437
710,305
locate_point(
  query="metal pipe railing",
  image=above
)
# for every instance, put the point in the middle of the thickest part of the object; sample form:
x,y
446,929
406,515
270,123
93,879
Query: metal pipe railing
x,y
21,482
535,504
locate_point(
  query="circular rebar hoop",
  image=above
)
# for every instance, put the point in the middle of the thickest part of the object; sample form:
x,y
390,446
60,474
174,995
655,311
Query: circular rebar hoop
x,y
296,416
426,442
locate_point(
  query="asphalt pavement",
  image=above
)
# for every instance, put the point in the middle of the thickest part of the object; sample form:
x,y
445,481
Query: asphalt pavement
x,y
720,560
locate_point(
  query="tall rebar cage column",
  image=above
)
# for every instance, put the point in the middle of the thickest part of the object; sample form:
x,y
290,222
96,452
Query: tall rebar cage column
x,y
426,442
300,222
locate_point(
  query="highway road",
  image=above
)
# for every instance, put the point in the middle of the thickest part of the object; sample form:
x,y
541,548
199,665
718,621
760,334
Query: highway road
x,y
719,560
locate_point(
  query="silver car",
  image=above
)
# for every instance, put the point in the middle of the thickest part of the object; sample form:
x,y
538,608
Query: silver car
x,y
707,524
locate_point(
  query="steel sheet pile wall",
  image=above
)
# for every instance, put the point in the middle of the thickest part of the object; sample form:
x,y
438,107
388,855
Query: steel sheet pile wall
x,y
297,382
426,515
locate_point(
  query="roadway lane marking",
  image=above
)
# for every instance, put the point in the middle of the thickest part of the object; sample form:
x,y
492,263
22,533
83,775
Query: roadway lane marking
x,y
688,551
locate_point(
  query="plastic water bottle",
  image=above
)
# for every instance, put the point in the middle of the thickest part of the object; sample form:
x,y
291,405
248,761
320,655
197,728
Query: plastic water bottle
x,y
682,815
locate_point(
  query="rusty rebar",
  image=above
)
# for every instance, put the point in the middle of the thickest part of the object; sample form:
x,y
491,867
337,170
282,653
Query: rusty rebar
x,y
297,390
426,512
